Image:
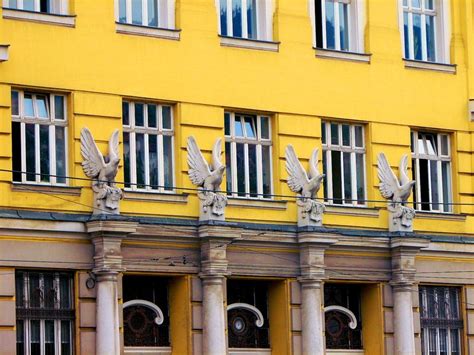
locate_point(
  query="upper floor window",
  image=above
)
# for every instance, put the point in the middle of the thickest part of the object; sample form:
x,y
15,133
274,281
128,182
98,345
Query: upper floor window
x,y
45,6
151,13
148,146
344,163
44,312
39,131
424,30
431,161
441,320
338,25
251,19
248,152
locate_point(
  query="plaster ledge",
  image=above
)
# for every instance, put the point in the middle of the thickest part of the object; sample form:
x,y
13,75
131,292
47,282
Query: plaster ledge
x,y
352,211
155,196
439,216
48,189
161,350
343,55
164,33
4,52
419,64
256,203
249,351
40,17
249,43
344,352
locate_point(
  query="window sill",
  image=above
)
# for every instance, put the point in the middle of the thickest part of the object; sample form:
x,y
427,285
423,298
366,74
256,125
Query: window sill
x,y
155,196
249,43
161,350
249,351
256,203
419,64
164,33
359,211
344,351
49,189
4,52
40,17
343,55
446,216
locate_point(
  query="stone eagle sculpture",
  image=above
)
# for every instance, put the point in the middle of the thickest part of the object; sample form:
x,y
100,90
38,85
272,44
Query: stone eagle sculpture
x,y
306,185
208,177
397,190
103,170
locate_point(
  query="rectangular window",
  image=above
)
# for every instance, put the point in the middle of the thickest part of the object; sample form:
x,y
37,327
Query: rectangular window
x,y
249,19
441,321
148,146
39,131
423,30
44,312
59,7
248,155
344,163
149,13
431,161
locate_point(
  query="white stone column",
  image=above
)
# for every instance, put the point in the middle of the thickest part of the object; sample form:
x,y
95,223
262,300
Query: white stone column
x,y
403,320
312,317
107,317
214,335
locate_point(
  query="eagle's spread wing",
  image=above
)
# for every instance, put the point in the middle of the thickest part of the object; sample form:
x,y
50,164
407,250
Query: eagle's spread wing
x,y
297,176
403,171
313,164
93,159
198,167
216,154
114,145
388,181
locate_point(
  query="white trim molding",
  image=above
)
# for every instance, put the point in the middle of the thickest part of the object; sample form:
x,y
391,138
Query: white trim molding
x,y
159,314
259,322
165,33
419,64
346,311
39,17
249,351
249,43
155,350
343,55
4,52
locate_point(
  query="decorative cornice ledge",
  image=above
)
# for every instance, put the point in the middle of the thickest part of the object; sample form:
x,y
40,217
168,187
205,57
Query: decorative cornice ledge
x,y
343,55
147,31
155,197
39,17
352,211
440,216
256,203
249,43
441,67
50,189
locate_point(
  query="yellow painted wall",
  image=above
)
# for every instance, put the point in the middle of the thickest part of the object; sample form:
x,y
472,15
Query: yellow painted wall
x,y
97,67
372,318
180,311
279,317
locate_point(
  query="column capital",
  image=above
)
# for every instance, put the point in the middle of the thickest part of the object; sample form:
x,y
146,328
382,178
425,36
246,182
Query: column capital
x,y
312,247
310,282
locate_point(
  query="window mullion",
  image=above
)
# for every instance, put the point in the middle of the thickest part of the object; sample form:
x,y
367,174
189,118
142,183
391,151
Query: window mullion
x,y
37,5
230,31
246,164
20,4
337,30
145,12
245,30
234,166
57,336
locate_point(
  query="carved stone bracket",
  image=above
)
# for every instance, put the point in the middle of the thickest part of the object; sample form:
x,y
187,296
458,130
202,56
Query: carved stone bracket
x,y
400,218
310,212
212,205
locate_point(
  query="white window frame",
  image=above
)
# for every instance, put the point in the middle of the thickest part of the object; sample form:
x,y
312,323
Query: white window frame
x,y
258,142
439,158
442,33
265,10
60,7
159,132
57,322
356,19
166,14
52,122
328,147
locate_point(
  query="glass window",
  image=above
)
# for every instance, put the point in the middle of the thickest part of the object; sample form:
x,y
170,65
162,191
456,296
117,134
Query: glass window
x,y
148,146
344,163
431,163
150,13
248,155
39,130
441,321
422,30
46,6
44,312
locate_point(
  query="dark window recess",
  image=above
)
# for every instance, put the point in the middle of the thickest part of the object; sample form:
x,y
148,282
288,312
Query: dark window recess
x,y
338,333
139,324
16,150
319,24
243,332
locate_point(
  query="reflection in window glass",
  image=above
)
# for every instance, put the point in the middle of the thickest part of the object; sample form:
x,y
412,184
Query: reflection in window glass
x,y
243,22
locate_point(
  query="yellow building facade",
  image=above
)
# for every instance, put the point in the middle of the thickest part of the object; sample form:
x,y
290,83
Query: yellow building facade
x,y
396,78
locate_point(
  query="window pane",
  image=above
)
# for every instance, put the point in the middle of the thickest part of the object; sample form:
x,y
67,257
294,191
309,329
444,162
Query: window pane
x,y
151,115
266,170
49,295
59,107
28,106
323,132
19,289
15,107
344,26
346,135
360,179
430,38
140,154
29,5
416,3
432,341
359,136
237,18
265,128
44,152
35,337
252,18
223,17
444,145
330,35
49,337
423,183
429,4
446,181
12,4
46,6
405,35
20,337
434,185
240,170
153,157
61,154
432,144
166,113
347,177
137,12
250,131
334,134
16,150
253,170
325,181
417,36
228,167
122,10
227,124
126,158
65,337
239,132
336,177
443,342
30,151
152,13
168,161
41,106
139,119
319,23
65,301
455,342
125,114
